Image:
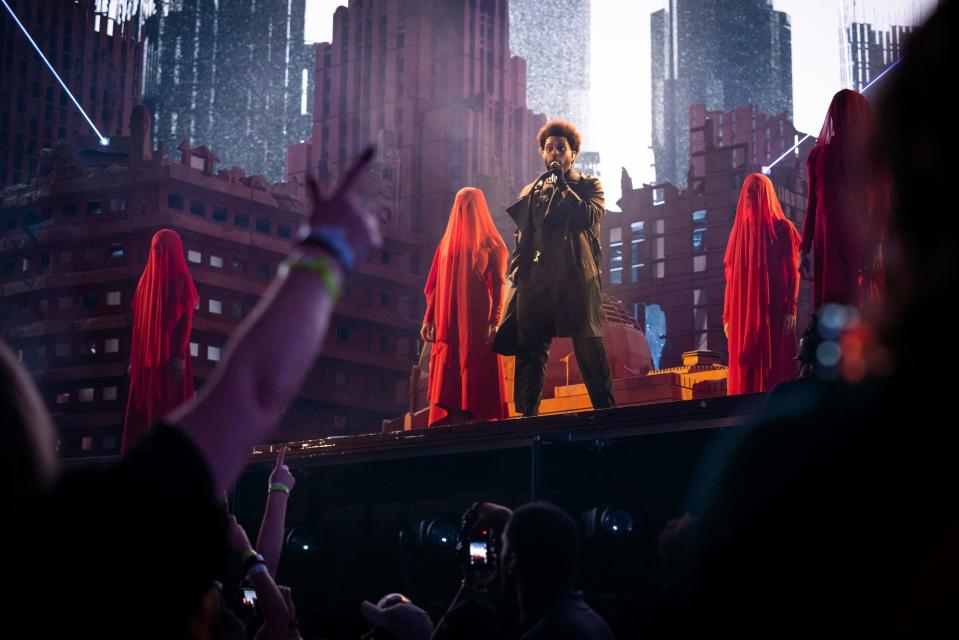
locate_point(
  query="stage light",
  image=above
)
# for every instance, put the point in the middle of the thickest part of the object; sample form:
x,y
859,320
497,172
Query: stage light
x,y
608,522
104,141
427,557
301,542
437,535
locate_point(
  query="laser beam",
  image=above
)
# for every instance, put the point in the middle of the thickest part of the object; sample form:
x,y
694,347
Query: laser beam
x,y
103,139
884,72
768,168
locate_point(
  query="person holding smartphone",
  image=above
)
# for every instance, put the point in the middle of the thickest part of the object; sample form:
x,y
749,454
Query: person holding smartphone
x,y
262,591
481,607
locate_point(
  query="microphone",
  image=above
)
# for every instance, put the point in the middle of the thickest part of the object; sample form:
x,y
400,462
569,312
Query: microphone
x,y
556,168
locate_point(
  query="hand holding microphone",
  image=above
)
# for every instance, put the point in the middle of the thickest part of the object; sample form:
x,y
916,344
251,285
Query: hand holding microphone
x,y
556,169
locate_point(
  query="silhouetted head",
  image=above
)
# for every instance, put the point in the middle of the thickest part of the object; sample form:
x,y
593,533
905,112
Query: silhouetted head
x,y
540,551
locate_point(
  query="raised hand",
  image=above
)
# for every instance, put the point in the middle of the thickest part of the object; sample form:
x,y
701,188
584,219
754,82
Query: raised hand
x,y
341,211
281,472
287,594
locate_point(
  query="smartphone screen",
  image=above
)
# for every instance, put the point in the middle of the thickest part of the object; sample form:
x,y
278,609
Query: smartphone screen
x,y
249,597
479,554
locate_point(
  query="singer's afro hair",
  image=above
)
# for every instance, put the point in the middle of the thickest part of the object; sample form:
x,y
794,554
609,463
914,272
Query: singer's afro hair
x,y
559,128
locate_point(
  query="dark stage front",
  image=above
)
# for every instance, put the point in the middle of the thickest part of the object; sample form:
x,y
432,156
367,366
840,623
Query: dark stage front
x,y
360,501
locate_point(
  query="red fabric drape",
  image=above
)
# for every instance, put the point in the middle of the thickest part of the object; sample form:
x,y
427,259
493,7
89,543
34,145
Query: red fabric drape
x,y
464,294
762,287
842,203
163,308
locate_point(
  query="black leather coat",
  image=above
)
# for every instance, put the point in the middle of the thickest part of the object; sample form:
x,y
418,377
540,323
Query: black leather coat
x,y
572,242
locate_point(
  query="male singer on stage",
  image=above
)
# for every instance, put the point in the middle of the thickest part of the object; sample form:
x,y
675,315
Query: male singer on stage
x,y
555,269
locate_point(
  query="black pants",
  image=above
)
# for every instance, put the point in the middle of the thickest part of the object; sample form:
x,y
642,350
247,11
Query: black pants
x,y
534,316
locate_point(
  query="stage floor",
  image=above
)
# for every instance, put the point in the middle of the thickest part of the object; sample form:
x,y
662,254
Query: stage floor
x,y
622,422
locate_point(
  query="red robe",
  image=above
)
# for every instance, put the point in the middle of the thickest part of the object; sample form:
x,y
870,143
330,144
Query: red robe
x,y
841,203
464,296
163,308
762,288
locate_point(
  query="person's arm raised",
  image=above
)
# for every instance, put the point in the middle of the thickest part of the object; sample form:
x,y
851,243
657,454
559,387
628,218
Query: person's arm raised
x,y
272,352
270,599
270,539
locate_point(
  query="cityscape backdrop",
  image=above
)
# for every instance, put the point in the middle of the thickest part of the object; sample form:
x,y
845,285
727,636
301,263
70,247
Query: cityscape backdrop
x,y
217,109
620,66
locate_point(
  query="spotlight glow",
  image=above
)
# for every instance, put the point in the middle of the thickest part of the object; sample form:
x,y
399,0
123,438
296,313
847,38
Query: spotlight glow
x,y
828,354
103,139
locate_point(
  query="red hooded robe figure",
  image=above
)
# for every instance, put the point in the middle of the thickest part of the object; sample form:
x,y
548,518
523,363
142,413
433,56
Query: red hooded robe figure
x,y
464,295
762,288
842,202
161,375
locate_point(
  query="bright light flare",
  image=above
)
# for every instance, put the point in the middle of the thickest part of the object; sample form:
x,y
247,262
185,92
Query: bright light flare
x,y
104,141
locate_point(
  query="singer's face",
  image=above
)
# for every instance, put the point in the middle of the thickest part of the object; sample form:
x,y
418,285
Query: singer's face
x,y
557,149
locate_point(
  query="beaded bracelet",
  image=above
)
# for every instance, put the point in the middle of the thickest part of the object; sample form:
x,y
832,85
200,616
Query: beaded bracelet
x,y
250,561
333,239
320,267
279,486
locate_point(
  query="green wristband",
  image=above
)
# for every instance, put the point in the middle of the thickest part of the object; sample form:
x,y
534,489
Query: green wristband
x,y
279,486
320,267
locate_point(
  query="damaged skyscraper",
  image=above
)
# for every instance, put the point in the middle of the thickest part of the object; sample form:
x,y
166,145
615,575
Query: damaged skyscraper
x,y
553,36
723,53
873,35
233,74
